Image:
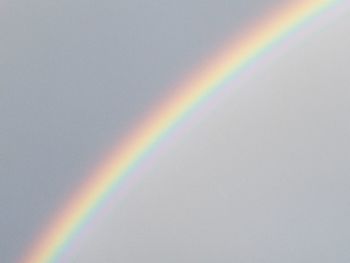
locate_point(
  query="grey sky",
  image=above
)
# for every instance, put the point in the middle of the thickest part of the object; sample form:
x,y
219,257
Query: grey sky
x,y
264,178
76,74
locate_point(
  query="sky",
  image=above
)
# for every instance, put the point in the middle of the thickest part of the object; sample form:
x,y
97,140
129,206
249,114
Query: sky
x,y
262,177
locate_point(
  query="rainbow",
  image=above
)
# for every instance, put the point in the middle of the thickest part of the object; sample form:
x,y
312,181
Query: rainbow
x,y
122,162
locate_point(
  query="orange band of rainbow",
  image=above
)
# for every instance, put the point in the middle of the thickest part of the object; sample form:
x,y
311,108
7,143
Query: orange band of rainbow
x,y
83,204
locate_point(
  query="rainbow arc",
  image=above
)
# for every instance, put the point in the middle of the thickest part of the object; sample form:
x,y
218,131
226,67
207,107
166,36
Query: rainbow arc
x,y
56,238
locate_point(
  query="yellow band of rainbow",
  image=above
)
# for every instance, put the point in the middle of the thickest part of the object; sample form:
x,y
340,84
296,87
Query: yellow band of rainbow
x,y
208,78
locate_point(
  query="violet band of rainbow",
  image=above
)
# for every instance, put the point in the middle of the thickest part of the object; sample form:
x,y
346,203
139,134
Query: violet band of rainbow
x,y
207,79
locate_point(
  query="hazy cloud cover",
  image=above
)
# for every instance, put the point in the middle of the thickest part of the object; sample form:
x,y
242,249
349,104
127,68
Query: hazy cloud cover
x,y
262,178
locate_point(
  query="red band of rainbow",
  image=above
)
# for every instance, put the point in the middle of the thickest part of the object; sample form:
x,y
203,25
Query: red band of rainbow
x,y
248,49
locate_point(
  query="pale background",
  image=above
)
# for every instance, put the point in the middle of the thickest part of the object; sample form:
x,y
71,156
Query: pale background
x,y
262,178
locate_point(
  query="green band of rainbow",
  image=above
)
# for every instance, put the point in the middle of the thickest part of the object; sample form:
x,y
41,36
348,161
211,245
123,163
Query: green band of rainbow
x,y
84,203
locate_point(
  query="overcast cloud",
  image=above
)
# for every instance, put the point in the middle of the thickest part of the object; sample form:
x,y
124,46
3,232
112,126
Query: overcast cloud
x,y
264,177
